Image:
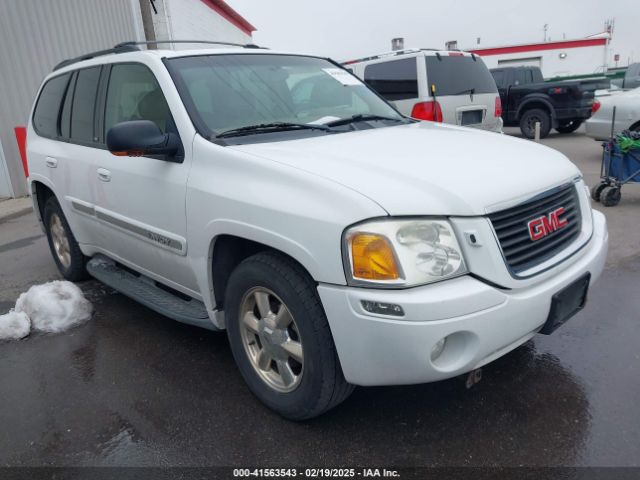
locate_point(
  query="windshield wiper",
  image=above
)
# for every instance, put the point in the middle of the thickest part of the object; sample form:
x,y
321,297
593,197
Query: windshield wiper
x,y
270,127
470,91
360,117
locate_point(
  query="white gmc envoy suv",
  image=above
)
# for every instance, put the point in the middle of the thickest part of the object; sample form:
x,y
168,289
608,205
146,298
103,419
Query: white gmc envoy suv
x,y
276,196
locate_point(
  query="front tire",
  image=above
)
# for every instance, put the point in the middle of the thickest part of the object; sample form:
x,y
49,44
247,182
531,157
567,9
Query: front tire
x,y
64,247
529,119
280,337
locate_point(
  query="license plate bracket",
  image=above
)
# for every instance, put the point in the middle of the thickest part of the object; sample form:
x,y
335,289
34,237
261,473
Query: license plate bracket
x,y
471,117
566,303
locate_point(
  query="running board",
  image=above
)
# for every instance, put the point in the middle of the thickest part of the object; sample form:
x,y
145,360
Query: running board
x,y
145,291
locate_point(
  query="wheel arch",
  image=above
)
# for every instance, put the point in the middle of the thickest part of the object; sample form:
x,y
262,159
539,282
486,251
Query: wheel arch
x,y
40,193
536,102
228,249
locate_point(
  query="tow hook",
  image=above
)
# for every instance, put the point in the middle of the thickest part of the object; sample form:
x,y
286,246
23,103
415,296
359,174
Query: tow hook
x,y
473,377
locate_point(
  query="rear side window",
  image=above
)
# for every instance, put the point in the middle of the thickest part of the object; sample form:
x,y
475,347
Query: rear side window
x,y
523,76
84,104
45,116
394,80
134,94
65,115
458,75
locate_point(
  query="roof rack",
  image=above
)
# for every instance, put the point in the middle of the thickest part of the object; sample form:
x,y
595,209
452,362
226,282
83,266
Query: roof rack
x,y
206,42
117,49
125,47
388,54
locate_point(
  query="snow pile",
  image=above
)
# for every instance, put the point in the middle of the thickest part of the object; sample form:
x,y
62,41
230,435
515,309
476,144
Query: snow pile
x,y
14,325
52,307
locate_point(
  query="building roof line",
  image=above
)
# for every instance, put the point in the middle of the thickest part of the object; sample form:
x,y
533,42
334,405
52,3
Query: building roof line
x,y
536,47
223,9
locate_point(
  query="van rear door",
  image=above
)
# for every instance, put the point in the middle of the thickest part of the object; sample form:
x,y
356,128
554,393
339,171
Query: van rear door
x,y
464,88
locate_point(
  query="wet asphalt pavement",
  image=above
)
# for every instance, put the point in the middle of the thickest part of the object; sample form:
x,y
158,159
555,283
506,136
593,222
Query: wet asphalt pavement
x,y
132,388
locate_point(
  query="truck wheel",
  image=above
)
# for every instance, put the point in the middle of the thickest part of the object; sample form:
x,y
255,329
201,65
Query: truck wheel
x,y
280,337
610,196
569,127
529,119
64,247
596,191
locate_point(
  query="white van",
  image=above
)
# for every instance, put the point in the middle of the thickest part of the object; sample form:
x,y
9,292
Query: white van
x,y
443,86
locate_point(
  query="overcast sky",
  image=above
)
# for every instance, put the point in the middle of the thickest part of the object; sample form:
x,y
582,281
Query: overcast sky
x,y
345,29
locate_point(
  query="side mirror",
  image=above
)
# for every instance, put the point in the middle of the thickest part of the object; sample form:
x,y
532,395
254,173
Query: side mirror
x,y
137,138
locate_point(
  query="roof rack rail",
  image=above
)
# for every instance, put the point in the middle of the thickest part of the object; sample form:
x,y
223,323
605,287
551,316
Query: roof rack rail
x,y
120,48
388,54
134,47
206,42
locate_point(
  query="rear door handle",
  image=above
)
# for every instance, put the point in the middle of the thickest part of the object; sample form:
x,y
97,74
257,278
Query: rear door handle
x,y
104,174
51,162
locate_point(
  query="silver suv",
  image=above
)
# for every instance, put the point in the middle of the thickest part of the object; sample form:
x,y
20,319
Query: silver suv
x,y
442,86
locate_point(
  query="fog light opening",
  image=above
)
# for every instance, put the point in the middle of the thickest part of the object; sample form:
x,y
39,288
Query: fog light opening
x,y
438,348
382,308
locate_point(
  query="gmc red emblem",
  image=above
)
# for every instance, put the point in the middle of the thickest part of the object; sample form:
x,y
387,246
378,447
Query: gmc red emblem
x,y
542,226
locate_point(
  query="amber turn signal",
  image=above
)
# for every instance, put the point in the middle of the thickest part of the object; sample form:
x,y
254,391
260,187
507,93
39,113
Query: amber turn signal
x,y
373,258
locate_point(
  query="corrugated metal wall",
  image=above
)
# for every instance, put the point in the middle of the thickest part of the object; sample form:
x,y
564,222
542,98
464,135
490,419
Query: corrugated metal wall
x,y
37,34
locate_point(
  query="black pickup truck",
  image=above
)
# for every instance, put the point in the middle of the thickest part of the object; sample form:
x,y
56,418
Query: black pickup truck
x,y
526,99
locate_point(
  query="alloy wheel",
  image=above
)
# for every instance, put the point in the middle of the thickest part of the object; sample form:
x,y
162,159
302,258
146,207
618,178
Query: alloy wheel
x,y
271,339
60,241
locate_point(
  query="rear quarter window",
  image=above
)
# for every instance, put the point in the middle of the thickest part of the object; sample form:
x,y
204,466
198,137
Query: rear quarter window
x,y
394,80
457,75
45,116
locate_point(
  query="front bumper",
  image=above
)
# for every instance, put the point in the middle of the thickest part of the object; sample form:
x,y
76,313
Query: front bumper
x,y
482,322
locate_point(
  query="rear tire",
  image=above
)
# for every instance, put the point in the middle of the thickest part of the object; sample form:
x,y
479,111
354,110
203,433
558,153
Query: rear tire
x,y
299,385
610,196
596,191
569,127
65,249
529,119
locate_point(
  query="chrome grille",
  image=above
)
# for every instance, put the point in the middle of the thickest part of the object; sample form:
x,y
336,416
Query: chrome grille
x,y
511,227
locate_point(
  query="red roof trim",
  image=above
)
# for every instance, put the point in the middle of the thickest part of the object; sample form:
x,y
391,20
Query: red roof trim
x,y
229,14
537,47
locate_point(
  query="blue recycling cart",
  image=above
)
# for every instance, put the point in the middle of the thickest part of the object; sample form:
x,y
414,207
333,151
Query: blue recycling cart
x,y
618,168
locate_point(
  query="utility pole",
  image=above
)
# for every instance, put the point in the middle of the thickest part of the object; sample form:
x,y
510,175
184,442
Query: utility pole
x,y
609,25
545,28
147,22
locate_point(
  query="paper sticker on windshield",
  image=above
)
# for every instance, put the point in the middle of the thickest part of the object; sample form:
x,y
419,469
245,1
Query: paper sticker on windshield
x,y
342,76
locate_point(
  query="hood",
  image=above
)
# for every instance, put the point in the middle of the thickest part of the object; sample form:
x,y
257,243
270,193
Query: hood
x,y
426,168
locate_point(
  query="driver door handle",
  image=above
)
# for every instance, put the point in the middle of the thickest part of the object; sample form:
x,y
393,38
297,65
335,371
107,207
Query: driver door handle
x,y
104,175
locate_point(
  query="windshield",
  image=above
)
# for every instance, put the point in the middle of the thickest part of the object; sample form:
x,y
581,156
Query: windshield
x,y
227,92
459,75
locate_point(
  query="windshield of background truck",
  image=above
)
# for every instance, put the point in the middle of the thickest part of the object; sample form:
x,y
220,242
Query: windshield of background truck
x,y
457,75
232,91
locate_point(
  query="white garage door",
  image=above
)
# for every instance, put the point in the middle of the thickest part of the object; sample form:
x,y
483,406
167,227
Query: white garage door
x,y
521,62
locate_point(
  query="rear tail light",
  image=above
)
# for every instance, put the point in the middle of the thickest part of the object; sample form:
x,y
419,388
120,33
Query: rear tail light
x,y
427,111
498,108
595,107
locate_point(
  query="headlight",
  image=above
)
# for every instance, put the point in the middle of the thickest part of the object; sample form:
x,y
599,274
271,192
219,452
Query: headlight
x,y
401,253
